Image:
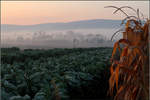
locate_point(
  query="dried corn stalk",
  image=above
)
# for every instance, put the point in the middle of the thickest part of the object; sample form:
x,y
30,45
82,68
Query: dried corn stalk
x,y
130,71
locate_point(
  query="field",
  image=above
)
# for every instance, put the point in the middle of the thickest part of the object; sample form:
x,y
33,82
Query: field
x,y
55,74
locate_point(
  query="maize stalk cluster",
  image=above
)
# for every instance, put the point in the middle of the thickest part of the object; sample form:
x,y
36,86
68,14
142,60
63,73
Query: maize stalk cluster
x,y
130,60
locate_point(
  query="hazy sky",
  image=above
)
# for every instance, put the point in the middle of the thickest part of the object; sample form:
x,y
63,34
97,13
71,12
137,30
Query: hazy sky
x,y
36,12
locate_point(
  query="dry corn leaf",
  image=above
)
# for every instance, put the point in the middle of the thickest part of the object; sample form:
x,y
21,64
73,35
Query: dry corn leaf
x,y
117,76
130,68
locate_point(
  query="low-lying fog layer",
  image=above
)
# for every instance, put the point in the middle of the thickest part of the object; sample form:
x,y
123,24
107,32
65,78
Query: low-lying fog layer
x,y
58,38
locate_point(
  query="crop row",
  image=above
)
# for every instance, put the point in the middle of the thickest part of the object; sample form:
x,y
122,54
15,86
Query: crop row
x,y
56,74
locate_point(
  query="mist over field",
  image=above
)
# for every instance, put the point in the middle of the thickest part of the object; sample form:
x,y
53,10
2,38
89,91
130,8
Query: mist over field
x,y
84,33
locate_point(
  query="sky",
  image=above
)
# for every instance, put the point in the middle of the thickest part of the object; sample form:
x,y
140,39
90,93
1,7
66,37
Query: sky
x,y
37,12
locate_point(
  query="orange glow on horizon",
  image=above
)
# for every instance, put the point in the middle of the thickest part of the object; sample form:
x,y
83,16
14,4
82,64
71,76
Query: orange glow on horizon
x,y
36,12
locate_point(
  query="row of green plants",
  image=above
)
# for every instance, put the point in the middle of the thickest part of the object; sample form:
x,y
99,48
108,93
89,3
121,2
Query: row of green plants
x,y
55,74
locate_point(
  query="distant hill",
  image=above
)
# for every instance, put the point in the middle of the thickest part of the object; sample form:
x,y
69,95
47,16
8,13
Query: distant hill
x,y
82,24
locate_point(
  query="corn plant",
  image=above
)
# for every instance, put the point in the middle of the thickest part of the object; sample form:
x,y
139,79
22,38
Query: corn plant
x,y
130,70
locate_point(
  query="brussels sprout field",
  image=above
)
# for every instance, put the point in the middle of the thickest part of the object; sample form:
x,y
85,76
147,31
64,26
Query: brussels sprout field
x,y
55,74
